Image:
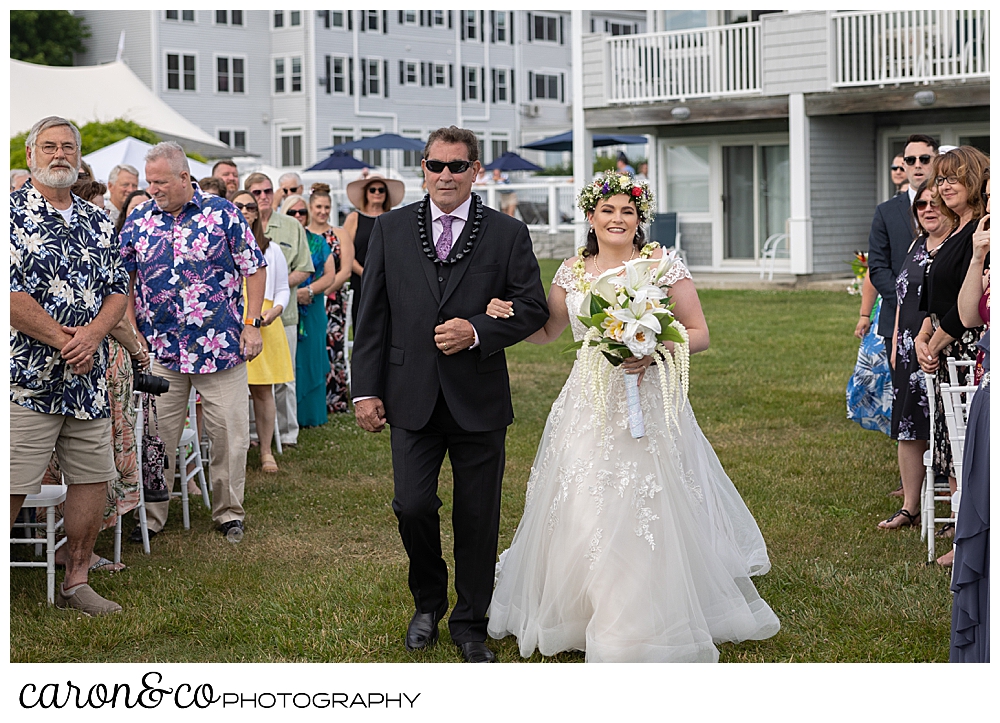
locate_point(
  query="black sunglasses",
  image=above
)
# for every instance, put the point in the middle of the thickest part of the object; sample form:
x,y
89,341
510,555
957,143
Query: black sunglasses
x,y
455,167
896,168
910,160
376,189
263,192
923,203
246,206
298,212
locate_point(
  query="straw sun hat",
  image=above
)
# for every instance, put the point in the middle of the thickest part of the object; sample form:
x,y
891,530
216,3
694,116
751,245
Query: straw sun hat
x,y
357,190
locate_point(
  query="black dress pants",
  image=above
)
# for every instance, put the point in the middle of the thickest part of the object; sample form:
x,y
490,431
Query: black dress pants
x,y
477,460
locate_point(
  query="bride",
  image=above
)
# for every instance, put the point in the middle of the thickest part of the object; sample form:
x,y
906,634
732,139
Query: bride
x,y
632,550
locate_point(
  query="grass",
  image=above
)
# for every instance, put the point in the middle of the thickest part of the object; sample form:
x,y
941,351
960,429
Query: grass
x,y
321,574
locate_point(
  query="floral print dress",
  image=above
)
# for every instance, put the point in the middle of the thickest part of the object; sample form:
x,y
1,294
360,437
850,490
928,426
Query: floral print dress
x,y
336,380
910,414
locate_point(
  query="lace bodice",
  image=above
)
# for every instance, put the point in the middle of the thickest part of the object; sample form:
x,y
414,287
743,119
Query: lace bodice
x,y
574,296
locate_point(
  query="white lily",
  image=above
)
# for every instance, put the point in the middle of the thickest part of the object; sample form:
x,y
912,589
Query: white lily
x,y
640,329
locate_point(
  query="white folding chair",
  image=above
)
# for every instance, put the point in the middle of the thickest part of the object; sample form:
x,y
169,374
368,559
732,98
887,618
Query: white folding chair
x,y
955,368
769,252
47,499
931,492
140,509
189,452
956,415
349,332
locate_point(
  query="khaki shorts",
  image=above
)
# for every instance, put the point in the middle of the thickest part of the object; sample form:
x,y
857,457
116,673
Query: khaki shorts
x,y
82,445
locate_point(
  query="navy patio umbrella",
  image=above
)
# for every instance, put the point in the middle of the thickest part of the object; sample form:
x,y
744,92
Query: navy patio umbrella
x,y
510,161
385,141
338,161
564,141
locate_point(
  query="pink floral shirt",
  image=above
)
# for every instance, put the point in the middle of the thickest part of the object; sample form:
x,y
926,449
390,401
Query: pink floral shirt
x,y
189,271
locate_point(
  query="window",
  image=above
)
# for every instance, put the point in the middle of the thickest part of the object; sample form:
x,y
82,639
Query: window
x,y
438,18
372,20
501,89
499,146
291,146
687,179
471,77
469,23
409,17
296,75
500,26
620,28
408,72
295,18
279,18
545,28
229,17
181,72
236,139
186,16
755,186
546,86
336,74
230,75
341,135
373,157
411,159
279,75
373,76
337,18
440,74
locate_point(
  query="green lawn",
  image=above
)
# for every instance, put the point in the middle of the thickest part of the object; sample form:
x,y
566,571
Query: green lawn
x,y
321,574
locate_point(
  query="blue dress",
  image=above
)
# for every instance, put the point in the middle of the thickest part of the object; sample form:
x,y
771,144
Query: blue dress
x,y
869,390
312,364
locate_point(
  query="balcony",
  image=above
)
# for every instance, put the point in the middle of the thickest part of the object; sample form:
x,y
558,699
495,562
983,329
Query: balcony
x,y
707,62
910,46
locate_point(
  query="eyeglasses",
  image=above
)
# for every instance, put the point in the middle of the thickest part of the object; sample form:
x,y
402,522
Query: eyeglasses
x,y
298,212
924,203
376,189
950,180
897,168
262,192
910,160
246,206
455,167
50,149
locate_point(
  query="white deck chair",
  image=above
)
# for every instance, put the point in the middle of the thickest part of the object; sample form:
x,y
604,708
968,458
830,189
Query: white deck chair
x,y
956,415
769,252
48,498
140,509
931,492
188,452
348,331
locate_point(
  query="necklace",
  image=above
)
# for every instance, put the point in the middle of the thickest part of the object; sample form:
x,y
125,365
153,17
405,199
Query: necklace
x,y
475,215
601,271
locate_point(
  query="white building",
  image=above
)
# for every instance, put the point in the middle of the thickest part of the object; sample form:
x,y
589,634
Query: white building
x,y
283,84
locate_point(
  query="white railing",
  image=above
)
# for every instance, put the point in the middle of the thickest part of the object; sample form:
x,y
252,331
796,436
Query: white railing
x,y
715,61
914,46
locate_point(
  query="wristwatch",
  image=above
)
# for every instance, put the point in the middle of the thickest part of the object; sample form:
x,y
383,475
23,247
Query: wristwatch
x,y
256,323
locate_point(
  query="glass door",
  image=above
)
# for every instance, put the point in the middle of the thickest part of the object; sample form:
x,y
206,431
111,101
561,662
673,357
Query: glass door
x,y
738,202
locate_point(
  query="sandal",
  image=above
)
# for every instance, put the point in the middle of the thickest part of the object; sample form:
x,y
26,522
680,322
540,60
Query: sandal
x,y
107,565
908,520
898,492
948,530
267,464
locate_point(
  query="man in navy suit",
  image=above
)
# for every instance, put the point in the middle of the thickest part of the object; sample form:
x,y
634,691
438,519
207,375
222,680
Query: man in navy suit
x,y
893,229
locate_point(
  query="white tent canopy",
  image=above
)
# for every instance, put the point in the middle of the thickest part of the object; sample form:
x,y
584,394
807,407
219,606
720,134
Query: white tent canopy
x,y
93,93
131,151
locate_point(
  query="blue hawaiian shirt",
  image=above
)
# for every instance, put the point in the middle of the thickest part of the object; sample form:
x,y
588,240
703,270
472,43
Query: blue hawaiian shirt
x,y
69,269
189,277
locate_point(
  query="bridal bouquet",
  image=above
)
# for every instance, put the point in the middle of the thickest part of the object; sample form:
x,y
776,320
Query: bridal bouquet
x,y
627,313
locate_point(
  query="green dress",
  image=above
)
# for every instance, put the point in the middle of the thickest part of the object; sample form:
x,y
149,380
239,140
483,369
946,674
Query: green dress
x,y
312,364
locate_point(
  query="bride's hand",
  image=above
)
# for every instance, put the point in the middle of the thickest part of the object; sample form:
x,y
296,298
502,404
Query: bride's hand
x,y
500,309
632,365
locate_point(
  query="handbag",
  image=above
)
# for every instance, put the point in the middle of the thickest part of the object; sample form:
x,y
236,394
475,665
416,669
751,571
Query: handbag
x,y
154,455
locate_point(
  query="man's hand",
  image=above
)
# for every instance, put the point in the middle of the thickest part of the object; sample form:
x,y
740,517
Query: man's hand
x,y
250,342
81,347
370,414
83,367
453,336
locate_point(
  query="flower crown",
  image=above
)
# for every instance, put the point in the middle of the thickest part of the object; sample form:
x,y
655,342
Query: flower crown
x,y
613,184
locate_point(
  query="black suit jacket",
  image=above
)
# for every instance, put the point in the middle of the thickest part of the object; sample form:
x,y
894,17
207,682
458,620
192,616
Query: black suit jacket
x,y
395,358
891,235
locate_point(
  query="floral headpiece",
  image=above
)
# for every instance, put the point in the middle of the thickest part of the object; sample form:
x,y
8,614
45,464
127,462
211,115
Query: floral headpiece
x,y
613,184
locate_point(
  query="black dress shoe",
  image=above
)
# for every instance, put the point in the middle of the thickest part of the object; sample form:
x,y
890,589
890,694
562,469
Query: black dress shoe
x,y
476,652
136,535
422,632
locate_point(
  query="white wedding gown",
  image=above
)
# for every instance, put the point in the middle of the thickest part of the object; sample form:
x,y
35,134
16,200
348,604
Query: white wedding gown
x,y
638,552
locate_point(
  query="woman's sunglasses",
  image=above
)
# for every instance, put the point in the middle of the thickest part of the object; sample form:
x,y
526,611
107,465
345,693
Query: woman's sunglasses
x,y
376,189
924,203
246,206
453,166
298,212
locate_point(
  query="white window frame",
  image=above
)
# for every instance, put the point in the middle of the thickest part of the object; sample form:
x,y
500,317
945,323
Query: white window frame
x,y
408,20
438,19
444,75
377,77
367,15
534,35
500,18
231,74
291,132
344,134
334,57
292,74
374,157
232,131
549,73
343,20
294,15
417,134
506,74
181,54
415,65
274,75
180,17
476,71
287,75
475,35
498,137
229,19
274,18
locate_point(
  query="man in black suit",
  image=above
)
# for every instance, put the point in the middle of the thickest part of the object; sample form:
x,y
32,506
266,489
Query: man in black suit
x,y
893,229
430,362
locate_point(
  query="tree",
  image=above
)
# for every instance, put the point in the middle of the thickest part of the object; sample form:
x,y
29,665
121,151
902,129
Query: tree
x,y
94,136
46,37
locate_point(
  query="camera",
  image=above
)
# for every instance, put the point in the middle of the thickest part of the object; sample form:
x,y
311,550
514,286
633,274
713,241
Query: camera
x,y
148,383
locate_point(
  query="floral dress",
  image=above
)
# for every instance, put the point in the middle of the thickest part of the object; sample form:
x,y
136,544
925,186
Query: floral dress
x,y
910,414
336,380
869,390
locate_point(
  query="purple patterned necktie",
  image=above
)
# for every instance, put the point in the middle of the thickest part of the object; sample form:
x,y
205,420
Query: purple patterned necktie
x,y
443,246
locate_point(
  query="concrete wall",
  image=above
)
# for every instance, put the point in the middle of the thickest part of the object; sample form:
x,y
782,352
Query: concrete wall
x,y
843,188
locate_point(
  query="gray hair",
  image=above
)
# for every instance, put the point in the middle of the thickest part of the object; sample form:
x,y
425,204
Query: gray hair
x,y
172,153
289,177
52,121
113,175
17,173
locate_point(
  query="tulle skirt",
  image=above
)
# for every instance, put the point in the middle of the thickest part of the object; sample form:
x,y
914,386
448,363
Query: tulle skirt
x,y
640,550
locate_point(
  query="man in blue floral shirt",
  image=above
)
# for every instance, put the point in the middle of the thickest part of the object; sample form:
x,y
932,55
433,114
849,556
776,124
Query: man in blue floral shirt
x,y
187,255
67,290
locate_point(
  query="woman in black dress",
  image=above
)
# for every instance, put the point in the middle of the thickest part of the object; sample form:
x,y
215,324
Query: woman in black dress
x,y
959,175
910,414
372,196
